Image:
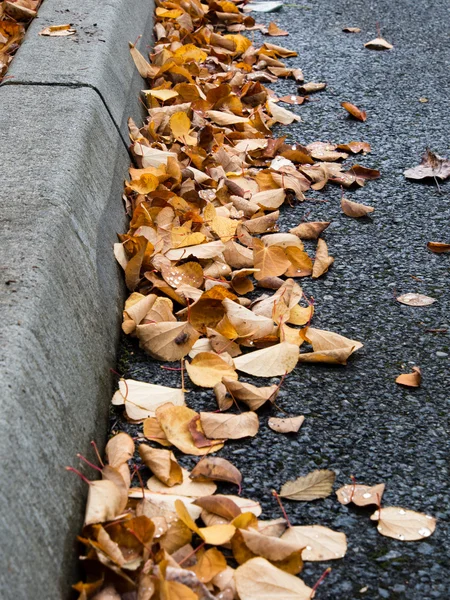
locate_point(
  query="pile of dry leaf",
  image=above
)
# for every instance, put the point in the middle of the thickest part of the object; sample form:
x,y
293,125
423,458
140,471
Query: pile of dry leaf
x,y
15,16
204,200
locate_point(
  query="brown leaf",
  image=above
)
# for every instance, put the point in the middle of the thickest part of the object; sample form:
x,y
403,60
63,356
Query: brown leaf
x,y
209,565
318,543
142,399
58,31
311,87
317,484
217,469
271,261
310,231
104,502
219,505
185,487
207,369
355,147
167,340
250,394
246,323
432,165
258,578
162,463
355,112
410,379
249,543
412,299
119,449
361,495
378,43
286,425
403,524
152,431
323,260
227,426
292,99
269,362
438,247
174,421
274,31
351,30
353,209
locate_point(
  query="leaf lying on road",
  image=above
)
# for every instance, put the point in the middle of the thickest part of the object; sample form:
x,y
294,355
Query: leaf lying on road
x,y
317,484
432,165
361,495
227,426
402,524
410,379
269,362
258,578
323,260
353,209
142,399
216,469
207,369
438,247
286,425
378,43
318,542
355,112
412,299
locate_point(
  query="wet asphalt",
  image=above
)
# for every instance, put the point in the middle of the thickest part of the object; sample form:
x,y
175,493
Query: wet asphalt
x,y
358,421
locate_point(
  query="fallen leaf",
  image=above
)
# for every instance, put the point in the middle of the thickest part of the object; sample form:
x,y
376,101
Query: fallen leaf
x,y
286,425
438,247
317,484
142,399
403,524
275,31
292,99
281,115
207,369
263,6
215,535
410,379
269,362
219,505
174,421
169,341
354,209
58,31
249,543
228,426
217,469
119,449
432,165
378,43
250,394
104,502
355,112
361,495
351,30
311,87
412,299
323,260
209,565
271,261
318,542
185,487
310,231
258,578
163,464
246,323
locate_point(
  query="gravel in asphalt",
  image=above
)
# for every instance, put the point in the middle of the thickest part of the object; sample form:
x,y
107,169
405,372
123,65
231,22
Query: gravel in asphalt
x,y
358,421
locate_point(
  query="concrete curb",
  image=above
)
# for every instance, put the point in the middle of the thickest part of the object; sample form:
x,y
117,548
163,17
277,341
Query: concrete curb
x,y
64,159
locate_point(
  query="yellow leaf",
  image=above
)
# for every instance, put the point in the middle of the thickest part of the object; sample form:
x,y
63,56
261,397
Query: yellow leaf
x,y
145,184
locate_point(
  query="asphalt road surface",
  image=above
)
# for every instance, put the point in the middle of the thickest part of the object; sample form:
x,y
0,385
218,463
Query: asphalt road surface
x,y
358,421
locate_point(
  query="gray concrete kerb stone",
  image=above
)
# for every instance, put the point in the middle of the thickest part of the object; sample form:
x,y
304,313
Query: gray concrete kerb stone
x,y
97,56
63,135
63,165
